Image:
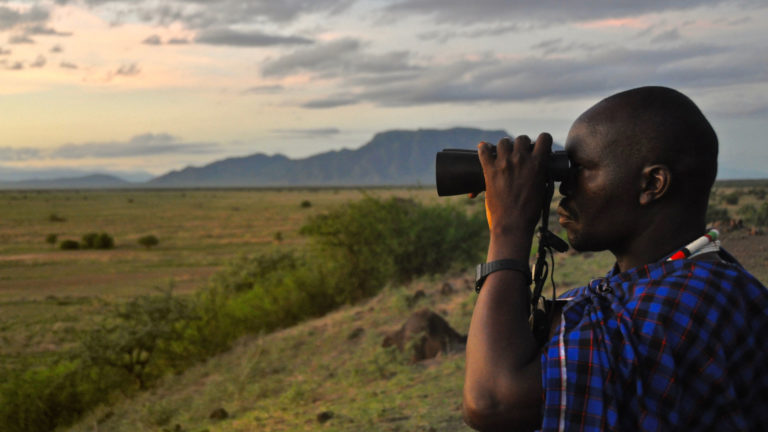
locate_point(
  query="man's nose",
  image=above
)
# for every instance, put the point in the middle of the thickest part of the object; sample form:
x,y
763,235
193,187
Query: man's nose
x,y
565,186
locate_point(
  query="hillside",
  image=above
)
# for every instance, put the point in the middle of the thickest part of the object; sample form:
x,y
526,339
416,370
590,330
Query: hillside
x,y
332,367
390,158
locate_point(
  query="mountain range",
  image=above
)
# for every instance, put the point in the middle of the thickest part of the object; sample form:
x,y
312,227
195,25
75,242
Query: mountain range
x,y
397,157
391,158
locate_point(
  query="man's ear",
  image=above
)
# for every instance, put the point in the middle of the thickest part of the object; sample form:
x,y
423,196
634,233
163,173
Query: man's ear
x,y
655,183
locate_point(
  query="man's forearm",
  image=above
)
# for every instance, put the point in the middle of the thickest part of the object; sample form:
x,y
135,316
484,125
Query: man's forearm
x,y
502,386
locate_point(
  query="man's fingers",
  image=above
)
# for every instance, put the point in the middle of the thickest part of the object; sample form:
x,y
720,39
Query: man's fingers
x,y
485,153
504,148
543,144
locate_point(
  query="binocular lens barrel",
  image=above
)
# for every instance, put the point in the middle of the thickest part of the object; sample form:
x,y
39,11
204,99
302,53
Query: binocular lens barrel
x,y
458,171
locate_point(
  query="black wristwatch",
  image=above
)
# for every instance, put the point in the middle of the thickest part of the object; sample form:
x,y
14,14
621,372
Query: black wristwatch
x,y
484,269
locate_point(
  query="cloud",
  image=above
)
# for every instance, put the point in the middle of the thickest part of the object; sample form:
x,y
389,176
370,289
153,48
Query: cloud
x,y
11,154
4,51
20,39
225,36
671,35
67,65
497,30
177,41
342,57
200,14
264,89
541,78
308,133
11,18
152,40
558,46
140,145
39,29
468,12
56,49
129,69
39,62
331,102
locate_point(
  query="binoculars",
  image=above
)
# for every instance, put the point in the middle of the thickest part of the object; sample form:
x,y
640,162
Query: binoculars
x,y
458,171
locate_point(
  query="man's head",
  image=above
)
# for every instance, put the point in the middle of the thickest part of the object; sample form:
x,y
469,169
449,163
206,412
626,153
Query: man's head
x,y
639,155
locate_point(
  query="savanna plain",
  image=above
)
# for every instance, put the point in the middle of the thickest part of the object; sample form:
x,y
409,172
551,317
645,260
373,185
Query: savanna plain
x,y
256,309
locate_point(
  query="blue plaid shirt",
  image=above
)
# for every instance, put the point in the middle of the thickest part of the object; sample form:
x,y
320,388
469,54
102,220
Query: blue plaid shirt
x,y
671,346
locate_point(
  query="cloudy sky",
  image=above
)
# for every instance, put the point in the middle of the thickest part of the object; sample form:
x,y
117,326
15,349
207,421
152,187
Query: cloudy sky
x,y
127,85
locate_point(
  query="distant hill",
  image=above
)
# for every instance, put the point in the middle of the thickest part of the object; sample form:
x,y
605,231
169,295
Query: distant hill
x,y
93,181
391,158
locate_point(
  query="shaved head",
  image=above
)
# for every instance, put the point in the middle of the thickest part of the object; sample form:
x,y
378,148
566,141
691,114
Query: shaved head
x,y
659,125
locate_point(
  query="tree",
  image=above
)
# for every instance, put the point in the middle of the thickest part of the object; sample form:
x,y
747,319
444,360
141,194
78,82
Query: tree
x,y
148,241
69,244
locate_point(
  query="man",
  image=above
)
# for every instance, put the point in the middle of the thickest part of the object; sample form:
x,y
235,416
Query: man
x,y
661,343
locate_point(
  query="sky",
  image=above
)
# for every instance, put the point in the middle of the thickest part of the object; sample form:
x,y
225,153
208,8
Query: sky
x,y
150,86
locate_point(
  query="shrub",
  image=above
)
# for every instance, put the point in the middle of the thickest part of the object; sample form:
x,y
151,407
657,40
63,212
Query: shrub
x,y
717,214
148,241
278,237
142,338
372,242
69,245
51,239
754,215
53,217
306,204
731,198
97,241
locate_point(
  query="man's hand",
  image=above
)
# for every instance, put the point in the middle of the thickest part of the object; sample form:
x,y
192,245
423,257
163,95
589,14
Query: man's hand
x,y
514,185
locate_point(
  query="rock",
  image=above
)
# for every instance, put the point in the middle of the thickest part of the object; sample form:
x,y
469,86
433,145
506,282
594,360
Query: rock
x,y
324,416
218,414
446,289
426,334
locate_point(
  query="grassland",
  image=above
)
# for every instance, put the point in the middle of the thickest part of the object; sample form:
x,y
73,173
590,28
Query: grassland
x,y
48,294
280,381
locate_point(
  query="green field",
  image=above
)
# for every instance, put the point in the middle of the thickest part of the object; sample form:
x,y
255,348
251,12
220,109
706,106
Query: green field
x,y
279,381
46,293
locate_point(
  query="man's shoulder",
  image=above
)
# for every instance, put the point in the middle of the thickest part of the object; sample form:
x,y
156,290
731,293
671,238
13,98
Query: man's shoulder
x,y
696,283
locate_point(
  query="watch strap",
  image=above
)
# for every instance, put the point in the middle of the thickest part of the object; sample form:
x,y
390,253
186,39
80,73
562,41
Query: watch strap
x,y
484,269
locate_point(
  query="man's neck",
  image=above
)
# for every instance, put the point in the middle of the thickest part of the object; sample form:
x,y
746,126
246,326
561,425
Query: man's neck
x,y
658,240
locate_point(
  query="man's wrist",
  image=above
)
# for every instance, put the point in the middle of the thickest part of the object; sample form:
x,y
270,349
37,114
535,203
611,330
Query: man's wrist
x,y
485,269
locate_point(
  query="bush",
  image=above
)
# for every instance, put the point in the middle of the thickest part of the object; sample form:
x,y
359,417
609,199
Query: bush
x,y
372,242
143,338
717,214
69,245
43,398
97,241
753,215
306,204
53,217
731,198
51,239
148,241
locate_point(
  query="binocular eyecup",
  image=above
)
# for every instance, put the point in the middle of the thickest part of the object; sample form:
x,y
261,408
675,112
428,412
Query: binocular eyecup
x,y
458,171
